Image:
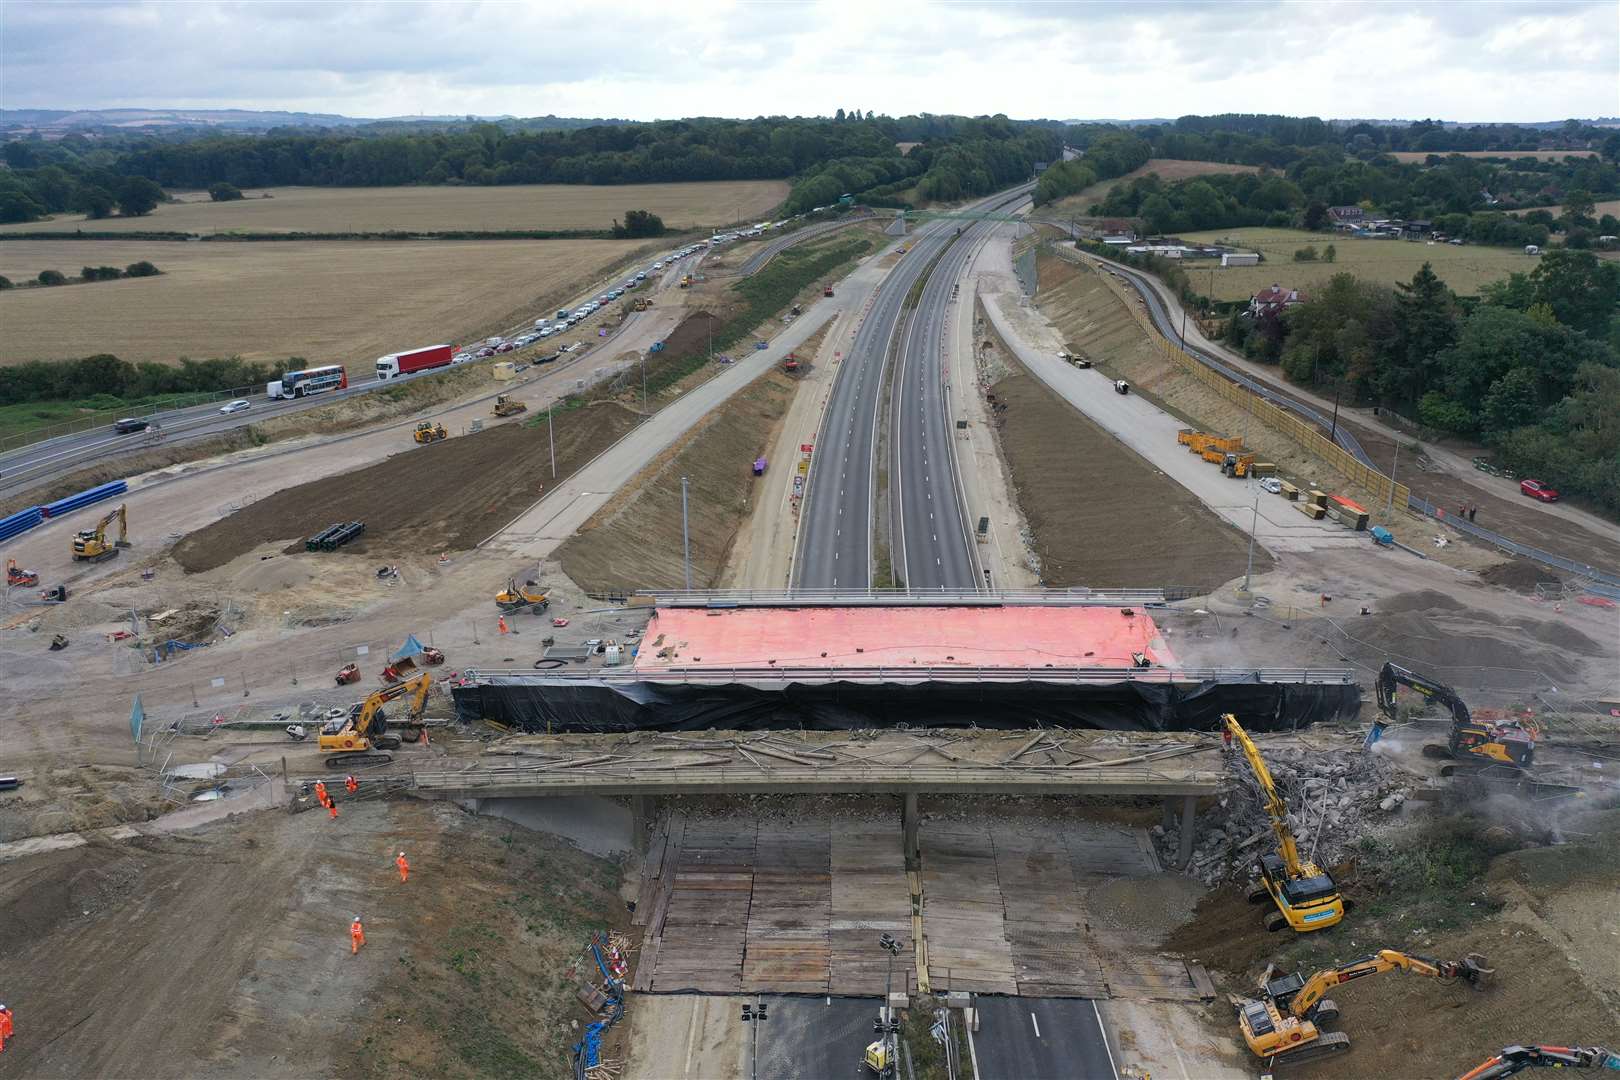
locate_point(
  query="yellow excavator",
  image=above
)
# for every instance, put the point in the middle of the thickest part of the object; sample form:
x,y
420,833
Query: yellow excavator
x,y
428,432
1287,1023
355,738
1306,896
1506,749
507,405
90,545
516,597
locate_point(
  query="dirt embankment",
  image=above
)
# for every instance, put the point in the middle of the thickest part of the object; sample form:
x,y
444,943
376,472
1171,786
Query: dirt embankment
x,y
1075,483
1099,325
225,952
635,540
446,496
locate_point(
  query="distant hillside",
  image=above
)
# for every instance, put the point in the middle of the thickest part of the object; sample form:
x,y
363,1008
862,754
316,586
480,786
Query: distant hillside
x,y
58,122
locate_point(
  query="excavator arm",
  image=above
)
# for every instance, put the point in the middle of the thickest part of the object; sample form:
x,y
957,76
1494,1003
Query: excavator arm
x,y
1471,969
1275,807
1393,676
1514,1059
417,686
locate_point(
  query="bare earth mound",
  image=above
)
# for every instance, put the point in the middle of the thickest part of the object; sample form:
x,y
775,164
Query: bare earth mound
x,y
448,496
1076,483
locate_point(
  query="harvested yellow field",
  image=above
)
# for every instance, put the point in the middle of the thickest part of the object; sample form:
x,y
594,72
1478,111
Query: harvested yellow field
x,y
326,301
1511,155
1464,268
1612,206
1167,169
521,206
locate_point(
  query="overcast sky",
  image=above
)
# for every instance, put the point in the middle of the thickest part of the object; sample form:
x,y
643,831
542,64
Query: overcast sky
x,y
1459,60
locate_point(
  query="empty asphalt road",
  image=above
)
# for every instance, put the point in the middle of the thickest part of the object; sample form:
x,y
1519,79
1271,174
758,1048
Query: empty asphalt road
x,y
1021,1038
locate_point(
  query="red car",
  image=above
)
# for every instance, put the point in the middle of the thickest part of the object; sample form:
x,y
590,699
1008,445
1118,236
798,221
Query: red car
x,y
1537,490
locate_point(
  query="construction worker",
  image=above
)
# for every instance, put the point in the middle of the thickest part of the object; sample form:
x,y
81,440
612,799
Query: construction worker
x,y
331,808
320,793
350,784
404,868
6,1025
357,936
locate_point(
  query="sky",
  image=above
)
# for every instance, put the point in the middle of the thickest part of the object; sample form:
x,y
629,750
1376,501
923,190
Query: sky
x,y
1460,60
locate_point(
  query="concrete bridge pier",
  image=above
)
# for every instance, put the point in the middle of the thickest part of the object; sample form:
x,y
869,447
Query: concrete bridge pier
x,y
1189,822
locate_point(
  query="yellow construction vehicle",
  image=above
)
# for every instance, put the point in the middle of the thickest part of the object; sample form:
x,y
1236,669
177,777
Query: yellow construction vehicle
x,y
640,303
90,545
428,432
1287,1023
1306,896
507,405
516,597
1507,748
355,738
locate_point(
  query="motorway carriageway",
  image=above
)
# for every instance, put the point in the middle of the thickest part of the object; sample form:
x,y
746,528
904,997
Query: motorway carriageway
x,y
835,541
40,461
933,548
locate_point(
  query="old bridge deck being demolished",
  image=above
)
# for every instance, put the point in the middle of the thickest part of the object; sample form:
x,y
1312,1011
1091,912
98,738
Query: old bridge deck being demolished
x,y
879,665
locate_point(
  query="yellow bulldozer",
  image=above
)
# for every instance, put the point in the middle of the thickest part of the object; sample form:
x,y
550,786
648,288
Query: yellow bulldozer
x,y
90,545
507,405
640,303
429,432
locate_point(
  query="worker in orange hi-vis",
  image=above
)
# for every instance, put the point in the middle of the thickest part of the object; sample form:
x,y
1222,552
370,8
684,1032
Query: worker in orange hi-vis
x,y
6,1026
331,808
404,868
320,792
501,622
350,784
357,936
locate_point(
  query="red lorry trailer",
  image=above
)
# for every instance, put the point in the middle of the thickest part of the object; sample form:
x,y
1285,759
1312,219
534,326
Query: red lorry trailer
x,y
394,365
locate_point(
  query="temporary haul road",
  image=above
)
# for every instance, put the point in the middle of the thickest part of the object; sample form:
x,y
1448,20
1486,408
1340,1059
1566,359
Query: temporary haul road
x,y
835,541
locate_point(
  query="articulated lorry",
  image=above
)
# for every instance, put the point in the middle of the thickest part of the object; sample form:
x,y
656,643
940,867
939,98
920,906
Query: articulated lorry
x,y
394,365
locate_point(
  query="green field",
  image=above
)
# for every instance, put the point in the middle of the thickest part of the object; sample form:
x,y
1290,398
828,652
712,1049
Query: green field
x,y
1464,268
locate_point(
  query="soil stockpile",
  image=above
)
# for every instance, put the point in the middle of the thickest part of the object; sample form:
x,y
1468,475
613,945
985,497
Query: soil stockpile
x,y
1520,575
1076,483
442,497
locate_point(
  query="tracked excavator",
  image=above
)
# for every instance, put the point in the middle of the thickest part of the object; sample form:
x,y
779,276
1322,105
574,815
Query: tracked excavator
x,y
1516,1059
1305,895
1288,1022
1507,748
90,545
356,739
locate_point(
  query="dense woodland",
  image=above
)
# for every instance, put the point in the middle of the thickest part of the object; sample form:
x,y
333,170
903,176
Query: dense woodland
x,y
1531,368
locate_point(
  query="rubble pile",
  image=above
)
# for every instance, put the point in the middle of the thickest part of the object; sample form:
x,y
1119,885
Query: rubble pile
x,y
1334,798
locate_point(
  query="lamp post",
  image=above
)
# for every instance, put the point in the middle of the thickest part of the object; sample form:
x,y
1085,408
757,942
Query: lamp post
x,y
754,1015
1254,523
886,1026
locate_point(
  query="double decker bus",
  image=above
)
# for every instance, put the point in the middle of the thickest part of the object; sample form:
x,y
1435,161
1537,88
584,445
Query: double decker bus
x,y
297,384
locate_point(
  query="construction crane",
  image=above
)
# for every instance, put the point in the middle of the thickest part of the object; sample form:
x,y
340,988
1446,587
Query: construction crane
x,y
90,545
1306,896
1514,1059
353,739
1287,1023
1477,744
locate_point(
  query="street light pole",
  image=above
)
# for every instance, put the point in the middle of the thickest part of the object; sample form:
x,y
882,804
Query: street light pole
x,y
1338,384
886,1025
551,437
753,1016
644,385
1392,467
1254,524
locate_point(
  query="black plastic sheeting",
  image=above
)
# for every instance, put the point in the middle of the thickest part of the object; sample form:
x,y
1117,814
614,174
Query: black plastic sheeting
x,y
536,703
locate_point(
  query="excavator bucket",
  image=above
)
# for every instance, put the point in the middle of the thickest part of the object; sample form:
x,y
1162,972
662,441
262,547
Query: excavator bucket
x,y
1475,972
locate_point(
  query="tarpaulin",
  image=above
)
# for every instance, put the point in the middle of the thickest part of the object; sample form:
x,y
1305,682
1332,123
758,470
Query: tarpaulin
x,y
541,703
412,647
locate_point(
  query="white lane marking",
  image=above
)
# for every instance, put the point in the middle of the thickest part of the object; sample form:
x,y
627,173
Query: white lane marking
x,y
1037,1024
1100,1030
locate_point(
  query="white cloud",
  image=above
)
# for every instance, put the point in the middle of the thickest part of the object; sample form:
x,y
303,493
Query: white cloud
x,y
1465,60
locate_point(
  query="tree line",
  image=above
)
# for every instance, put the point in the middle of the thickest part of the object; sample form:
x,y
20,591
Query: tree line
x,y
105,374
88,273
1531,368
958,157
